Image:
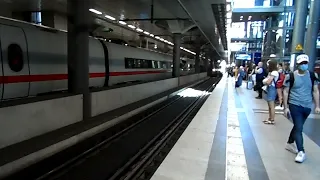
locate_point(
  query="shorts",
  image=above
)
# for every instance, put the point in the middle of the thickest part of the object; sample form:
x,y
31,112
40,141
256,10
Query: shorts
x,y
272,93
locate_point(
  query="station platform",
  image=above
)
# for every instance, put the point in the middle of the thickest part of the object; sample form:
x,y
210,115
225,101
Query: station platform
x,y
228,140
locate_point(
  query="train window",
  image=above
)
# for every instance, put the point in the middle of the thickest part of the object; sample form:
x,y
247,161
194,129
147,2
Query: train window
x,y
15,57
148,64
144,64
163,65
155,64
137,63
129,63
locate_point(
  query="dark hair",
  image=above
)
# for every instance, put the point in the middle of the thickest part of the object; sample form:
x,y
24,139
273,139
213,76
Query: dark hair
x,y
272,65
280,64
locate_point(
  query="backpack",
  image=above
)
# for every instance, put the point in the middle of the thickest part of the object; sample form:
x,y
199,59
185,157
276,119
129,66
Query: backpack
x,y
313,77
280,80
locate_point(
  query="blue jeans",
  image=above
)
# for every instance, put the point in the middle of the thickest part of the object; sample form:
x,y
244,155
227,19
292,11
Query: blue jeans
x,y
299,115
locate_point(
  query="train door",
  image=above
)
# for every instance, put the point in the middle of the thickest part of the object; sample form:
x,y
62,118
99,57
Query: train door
x,y
15,62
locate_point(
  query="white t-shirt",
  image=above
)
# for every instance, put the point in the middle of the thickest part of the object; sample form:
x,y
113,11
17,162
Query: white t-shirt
x,y
276,77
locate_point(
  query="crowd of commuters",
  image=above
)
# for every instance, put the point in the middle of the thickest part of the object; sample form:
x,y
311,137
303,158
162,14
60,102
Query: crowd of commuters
x,y
294,92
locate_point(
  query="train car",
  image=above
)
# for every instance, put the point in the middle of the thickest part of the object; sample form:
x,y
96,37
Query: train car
x,y
34,61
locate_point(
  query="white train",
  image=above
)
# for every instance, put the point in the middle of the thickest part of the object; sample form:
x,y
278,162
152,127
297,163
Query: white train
x,y
34,61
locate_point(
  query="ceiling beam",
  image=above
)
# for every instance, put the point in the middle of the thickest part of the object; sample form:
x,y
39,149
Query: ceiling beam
x,y
156,19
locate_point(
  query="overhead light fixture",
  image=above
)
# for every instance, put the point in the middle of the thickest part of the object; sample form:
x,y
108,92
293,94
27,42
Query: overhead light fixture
x,y
145,32
157,37
152,35
241,17
249,18
95,11
139,30
122,22
110,17
131,26
161,39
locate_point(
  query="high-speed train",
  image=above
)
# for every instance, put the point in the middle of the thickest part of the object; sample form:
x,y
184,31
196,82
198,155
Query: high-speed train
x,y
34,61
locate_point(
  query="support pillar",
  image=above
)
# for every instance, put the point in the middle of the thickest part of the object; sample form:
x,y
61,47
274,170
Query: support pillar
x,y
299,29
78,52
211,65
197,60
206,64
176,55
312,33
48,19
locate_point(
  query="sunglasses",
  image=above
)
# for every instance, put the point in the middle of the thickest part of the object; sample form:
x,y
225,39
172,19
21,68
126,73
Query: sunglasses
x,y
303,62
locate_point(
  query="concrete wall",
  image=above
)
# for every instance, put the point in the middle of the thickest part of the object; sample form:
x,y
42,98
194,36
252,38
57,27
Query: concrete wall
x,y
105,101
187,79
22,122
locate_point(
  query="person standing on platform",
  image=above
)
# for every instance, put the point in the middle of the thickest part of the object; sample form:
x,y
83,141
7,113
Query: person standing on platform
x,y
236,71
239,78
260,75
270,81
300,87
286,68
252,74
280,87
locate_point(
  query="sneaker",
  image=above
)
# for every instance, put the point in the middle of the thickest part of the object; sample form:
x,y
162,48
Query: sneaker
x,y
292,148
301,156
278,108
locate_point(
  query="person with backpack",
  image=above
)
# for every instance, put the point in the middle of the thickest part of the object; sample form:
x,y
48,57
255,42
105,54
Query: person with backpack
x,y
279,86
301,87
270,81
261,73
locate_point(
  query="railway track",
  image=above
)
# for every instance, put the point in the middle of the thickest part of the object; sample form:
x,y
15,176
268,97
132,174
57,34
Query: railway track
x,y
130,150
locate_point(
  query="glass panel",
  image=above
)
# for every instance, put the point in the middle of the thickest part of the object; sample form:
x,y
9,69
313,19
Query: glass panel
x,y
288,42
129,63
257,3
238,30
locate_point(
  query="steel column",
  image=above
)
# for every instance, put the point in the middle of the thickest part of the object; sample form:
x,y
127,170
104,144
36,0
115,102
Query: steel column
x,y
176,55
197,59
312,33
299,29
78,52
206,65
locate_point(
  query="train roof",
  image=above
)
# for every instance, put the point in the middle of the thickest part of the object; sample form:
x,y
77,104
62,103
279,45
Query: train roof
x,y
15,22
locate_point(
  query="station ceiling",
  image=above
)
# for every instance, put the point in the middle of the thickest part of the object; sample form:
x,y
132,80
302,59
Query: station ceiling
x,y
196,18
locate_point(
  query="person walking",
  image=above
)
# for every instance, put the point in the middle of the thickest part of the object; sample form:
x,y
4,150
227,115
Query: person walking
x,y
301,86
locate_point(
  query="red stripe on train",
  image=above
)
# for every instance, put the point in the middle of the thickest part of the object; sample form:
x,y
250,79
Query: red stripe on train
x,y
55,77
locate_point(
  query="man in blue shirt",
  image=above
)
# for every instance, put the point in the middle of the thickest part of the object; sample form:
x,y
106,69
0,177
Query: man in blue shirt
x,y
297,103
